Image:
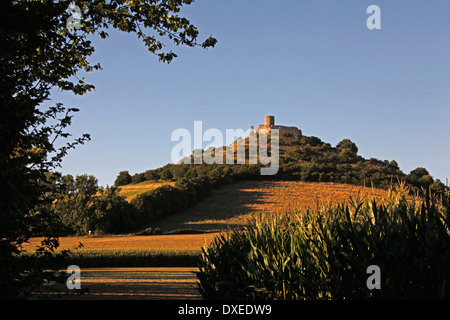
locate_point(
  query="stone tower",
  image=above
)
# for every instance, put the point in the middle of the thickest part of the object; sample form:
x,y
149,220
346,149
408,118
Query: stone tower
x,y
269,121
269,124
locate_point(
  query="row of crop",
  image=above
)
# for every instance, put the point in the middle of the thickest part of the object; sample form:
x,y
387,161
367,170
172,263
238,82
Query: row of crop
x,y
100,259
326,254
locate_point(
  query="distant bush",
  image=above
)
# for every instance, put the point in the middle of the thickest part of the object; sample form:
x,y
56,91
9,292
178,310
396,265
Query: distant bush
x,y
149,232
346,145
78,206
325,254
167,200
122,179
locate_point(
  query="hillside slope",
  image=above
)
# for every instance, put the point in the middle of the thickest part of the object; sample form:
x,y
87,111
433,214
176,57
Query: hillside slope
x,y
231,206
130,191
303,159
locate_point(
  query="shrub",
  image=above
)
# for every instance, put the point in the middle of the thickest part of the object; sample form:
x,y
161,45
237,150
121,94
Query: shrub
x,y
123,178
144,207
149,232
167,200
349,146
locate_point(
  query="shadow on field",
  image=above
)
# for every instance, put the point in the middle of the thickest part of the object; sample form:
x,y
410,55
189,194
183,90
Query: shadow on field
x,y
131,284
232,206
228,208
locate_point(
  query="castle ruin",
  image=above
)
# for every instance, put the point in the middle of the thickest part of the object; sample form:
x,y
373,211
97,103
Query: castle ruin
x,y
269,124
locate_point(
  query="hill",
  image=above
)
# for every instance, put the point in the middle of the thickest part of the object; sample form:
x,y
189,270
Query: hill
x,y
301,159
77,205
227,208
130,191
231,206
306,159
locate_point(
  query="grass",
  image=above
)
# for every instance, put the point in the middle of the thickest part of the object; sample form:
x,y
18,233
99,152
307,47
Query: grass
x,y
137,258
157,243
130,191
127,251
233,205
186,233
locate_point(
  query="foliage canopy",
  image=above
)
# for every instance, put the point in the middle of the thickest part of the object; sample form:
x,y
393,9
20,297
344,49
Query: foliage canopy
x,y
38,53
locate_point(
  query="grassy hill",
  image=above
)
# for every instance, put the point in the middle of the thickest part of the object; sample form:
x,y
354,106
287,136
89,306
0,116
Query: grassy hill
x,y
130,191
231,206
80,207
227,208
209,199
303,159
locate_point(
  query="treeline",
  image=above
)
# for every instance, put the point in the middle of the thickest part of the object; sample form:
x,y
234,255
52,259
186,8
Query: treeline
x,y
219,174
167,200
311,159
303,159
79,206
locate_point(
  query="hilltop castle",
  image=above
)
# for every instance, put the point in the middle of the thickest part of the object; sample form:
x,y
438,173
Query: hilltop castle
x,y
269,124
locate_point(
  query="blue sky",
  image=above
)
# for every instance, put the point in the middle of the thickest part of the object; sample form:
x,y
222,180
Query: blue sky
x,y
311,64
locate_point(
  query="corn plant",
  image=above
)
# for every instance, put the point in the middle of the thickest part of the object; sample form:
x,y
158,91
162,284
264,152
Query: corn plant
x,y
324,254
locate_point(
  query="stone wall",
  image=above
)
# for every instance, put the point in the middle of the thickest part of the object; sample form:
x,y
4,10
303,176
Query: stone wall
x,y
283,130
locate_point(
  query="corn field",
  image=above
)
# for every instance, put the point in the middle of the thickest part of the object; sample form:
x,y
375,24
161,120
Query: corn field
x,y
324,253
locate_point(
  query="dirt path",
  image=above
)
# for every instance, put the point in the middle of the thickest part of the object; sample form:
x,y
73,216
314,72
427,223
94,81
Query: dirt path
x,y
133,284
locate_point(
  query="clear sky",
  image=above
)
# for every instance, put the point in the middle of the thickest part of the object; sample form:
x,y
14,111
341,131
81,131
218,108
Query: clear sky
x,y
311,64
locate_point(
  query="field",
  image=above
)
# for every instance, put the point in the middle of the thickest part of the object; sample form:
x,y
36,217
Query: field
x,y
133,251
157,243
138,267
146,283
132,190
232,206
228,208
130,283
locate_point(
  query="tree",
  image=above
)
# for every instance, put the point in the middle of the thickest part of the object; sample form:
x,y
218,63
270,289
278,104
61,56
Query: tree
x,y
420,177
438,187
76,209
394,165
419,172
82,206
39,53
166,174
123,178
347,144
